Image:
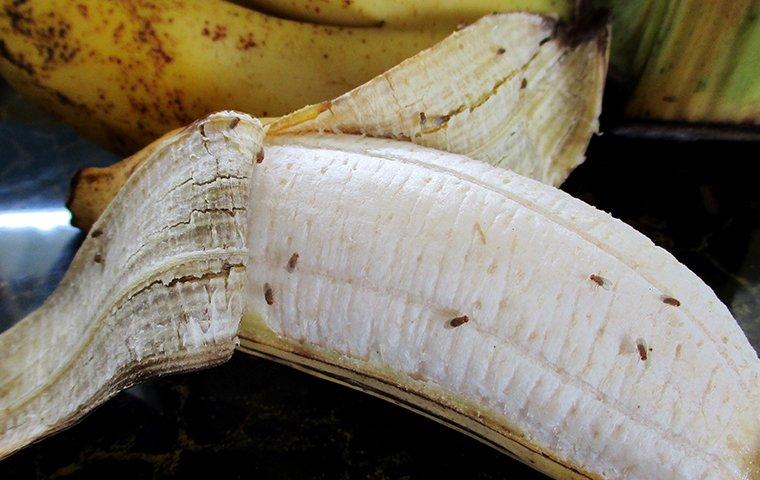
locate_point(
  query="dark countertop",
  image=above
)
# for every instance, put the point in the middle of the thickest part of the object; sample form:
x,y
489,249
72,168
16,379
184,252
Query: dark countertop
x,y
699,200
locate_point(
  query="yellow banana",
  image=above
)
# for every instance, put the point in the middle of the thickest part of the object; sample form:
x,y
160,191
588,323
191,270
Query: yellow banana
x,y
691,60
404,13
126,72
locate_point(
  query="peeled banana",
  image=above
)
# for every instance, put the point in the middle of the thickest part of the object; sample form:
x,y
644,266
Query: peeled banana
x,y
490,302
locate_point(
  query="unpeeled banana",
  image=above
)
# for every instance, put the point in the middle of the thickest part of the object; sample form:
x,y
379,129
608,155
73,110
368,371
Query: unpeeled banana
x,y
693,60
124,73
488,301
403,14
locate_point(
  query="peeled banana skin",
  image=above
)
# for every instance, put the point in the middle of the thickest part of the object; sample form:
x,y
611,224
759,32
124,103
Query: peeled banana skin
x,y
157,286
516,90
125,72
488,301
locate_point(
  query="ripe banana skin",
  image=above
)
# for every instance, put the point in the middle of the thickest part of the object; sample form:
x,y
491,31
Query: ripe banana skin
x,y
125,72
404,13
485,300
696,69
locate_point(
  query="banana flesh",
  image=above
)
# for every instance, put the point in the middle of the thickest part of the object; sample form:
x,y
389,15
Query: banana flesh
x,y
488,301
526,317
157,286
514,90
124,73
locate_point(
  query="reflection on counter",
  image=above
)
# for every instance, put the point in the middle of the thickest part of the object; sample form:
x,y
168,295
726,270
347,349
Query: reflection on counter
x,y
35,247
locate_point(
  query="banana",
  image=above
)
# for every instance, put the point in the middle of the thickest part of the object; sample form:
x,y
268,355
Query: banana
x,y
524,317
124,73
685,65
157,286
514,90
490,302
404,13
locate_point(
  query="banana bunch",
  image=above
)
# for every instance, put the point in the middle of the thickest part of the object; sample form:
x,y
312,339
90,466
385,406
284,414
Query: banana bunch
x,y
124,73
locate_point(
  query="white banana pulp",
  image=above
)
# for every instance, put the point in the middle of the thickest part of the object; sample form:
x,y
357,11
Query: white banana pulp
x,y
585,341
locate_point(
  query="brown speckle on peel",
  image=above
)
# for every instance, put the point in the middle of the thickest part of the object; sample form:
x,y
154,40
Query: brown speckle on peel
x,y
458,321
642,350
96,233
423,118
292,262
670,301
268,294
501,51
98,258
260,156
234,123
524,83
246,42
598,279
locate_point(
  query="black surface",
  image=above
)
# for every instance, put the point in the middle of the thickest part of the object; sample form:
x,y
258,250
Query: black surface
x,y
252,418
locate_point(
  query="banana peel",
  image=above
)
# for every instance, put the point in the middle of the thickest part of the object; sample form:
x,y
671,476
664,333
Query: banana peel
x,y
519,91
488,301
157,286
405,14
